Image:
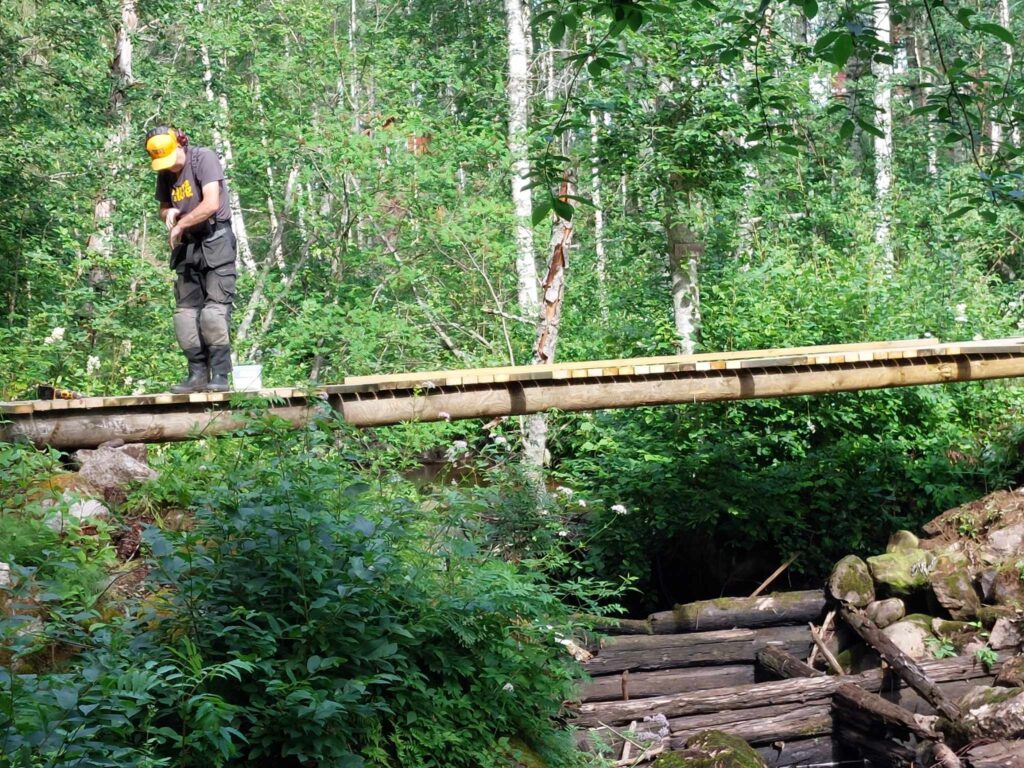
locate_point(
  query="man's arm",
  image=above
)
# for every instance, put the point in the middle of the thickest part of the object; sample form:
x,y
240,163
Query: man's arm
x,y
206,208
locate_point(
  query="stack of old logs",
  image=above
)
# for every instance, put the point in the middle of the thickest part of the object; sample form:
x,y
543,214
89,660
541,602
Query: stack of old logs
x,y
906,688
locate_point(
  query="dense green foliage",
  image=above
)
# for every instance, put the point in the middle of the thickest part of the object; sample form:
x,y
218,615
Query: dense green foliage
x,y
300,616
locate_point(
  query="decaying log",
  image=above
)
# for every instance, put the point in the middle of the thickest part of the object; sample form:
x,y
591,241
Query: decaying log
x,y
795,640
648,652
908,670
850,697
794,691
646,684
819,751
884,751
757,725
784,665
746,612
610,626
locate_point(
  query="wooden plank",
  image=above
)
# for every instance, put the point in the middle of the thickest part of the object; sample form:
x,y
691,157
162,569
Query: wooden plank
x,y
640,685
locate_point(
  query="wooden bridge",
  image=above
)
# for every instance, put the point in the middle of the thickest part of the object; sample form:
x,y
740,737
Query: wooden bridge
x,y
369,401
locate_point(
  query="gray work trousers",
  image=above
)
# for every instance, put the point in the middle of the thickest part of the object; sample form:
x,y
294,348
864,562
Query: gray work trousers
x,y
204,290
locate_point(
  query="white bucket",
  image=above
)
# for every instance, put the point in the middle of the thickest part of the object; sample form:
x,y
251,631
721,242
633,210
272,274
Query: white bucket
x,y
247,377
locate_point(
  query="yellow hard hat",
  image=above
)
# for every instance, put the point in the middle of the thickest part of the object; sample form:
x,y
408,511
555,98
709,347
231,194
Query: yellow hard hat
x,y
162,146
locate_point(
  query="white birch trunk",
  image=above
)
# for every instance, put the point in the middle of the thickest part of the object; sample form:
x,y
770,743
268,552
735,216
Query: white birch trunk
x,y
223,146
518,94
684,255
997,128
924,61
101,241
883,143
596,193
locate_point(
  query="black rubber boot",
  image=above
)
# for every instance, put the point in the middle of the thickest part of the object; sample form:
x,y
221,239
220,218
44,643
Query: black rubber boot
x,y
220,369
198,374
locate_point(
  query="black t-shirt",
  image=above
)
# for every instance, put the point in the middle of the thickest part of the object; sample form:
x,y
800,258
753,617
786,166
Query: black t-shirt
x,y
184,190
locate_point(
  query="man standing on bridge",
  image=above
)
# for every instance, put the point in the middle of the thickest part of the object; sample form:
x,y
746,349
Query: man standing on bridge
x,y
193,197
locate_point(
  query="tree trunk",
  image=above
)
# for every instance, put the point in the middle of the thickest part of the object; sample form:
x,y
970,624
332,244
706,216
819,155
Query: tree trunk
x,y
223,146
684,255
997,127
601,257
101,241
883,143
518,93
923,57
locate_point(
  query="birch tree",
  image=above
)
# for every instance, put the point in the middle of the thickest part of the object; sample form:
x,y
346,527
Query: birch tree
x,y
684,255
882,70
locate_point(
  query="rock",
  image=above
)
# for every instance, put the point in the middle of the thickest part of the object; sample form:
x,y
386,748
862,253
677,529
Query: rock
x,y
82,511
1007,589
902,541
954,589
1005,633
113,471
5,576
717,749
988,615
1007,542
902,572
986,581
995,713
850,582
858,658
910,637
1011,673
886,612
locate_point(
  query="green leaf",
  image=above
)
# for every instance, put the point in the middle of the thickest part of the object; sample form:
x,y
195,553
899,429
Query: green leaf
x,y
869,128
563,209
959,212
841,50
540,211
996,30
846,129
810,8
557,31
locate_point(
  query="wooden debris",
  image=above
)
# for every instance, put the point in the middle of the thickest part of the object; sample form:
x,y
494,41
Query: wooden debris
x,y
906,668
750,612
784,665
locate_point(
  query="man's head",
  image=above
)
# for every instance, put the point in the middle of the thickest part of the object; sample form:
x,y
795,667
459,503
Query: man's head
x,y
166,147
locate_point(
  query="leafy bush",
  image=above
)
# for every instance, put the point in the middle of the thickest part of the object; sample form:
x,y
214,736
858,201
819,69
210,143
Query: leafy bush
x,y
303,619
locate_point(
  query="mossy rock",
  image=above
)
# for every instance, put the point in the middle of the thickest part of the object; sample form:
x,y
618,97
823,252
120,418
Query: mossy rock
x,y
712,749
858,658
902,541
988,615
850,582
902,572
954,589
886,612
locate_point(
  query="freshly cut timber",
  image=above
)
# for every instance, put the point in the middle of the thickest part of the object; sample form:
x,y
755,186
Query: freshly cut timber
x,y
369,401
749,612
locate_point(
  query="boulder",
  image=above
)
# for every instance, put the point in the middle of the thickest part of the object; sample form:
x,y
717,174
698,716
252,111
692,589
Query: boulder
x,y
850,582
1011,673
994,713
1005,543
1007,589
713,749
1006,633
83,511
902,541
911,636
113,471
903,571
886,612
954,589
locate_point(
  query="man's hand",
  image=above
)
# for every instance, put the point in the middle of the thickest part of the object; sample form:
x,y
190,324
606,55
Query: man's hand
x,y
171,217
175,236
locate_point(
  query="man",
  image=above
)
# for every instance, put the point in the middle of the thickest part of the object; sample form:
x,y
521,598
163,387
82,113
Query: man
x,y
193,199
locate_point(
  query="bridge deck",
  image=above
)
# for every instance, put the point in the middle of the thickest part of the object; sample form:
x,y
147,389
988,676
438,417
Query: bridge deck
x,y
488,392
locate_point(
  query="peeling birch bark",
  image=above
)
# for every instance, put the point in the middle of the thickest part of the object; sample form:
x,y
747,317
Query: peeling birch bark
x,y
883,143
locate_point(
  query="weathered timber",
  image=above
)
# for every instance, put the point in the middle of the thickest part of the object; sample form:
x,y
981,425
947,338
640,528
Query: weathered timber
x,y
648,652
794,691
469,395
611,626
953,690
757,725
910,671
997,754
646,684
819,751
746,612
784,665
881,751
795,640
853,698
